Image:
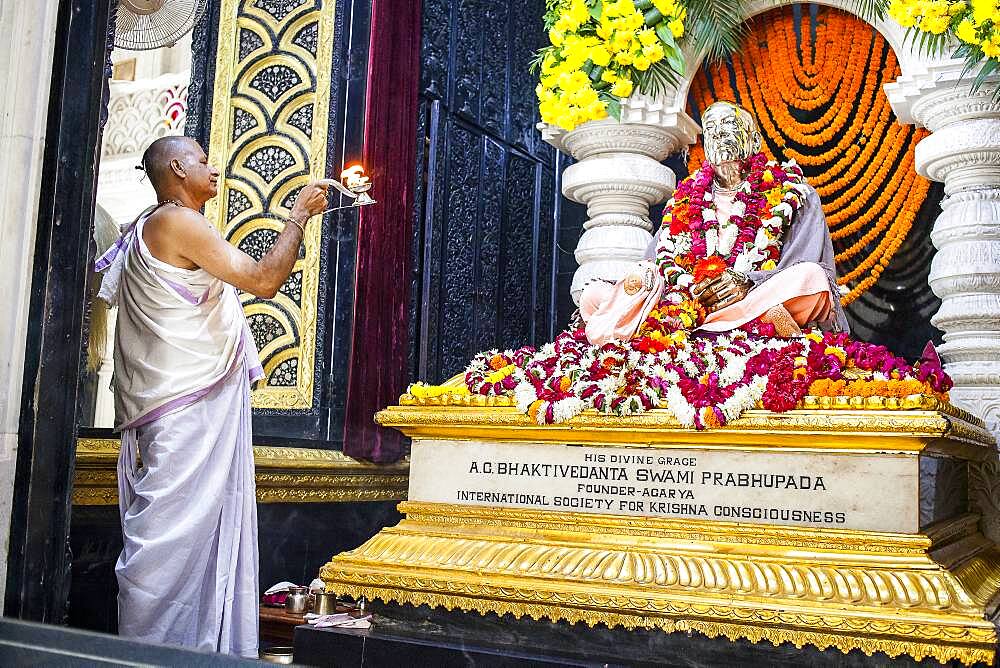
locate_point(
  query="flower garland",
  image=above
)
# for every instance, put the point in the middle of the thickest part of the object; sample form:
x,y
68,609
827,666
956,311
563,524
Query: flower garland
x,y
699,246
601,51
817,97
704,381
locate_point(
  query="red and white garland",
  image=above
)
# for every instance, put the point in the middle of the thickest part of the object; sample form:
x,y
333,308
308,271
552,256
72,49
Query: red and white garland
x,y
704,381
700,246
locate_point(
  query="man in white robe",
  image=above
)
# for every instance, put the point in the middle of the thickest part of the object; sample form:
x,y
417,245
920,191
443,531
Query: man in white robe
x,y
184,361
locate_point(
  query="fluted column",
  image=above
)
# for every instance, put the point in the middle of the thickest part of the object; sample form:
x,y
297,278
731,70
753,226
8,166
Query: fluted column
x,y
618,176
963,152
104,408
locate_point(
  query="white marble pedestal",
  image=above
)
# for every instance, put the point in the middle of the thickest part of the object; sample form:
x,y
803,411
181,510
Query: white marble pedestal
x,y
618,176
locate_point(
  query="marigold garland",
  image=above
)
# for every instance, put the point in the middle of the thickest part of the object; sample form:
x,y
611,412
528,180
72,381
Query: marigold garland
x,y
819,102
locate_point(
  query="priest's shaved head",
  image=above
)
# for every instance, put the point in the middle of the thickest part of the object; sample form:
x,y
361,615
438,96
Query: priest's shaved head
x,y
179,163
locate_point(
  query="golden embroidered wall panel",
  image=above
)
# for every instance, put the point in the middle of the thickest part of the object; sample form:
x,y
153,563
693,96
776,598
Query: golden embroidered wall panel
x,y
269,135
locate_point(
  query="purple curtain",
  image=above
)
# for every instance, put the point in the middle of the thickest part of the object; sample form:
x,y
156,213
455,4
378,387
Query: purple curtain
x,y
377,373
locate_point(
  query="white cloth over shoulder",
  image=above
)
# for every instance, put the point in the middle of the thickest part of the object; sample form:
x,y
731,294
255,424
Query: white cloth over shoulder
x,y
179,331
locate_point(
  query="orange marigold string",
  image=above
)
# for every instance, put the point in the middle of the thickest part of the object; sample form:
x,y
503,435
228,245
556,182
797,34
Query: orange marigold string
x,y
833,120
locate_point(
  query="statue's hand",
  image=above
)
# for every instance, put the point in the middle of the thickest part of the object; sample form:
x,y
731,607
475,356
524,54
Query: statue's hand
x,y
723,290
642,279
632,283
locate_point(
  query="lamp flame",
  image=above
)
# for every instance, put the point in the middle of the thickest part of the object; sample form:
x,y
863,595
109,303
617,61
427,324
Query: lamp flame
x,y
353,184
354,178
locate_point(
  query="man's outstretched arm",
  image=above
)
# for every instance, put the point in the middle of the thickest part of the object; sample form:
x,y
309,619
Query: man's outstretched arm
x,y
199,242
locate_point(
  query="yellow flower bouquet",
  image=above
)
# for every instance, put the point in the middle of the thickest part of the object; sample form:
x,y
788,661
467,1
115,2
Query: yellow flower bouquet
x,y
601,51
976,24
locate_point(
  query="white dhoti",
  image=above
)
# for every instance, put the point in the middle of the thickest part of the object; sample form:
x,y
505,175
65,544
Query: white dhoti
x,y
184,361
188,573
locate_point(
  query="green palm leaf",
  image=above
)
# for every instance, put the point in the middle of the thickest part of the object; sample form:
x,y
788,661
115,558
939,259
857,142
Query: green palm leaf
x,y
715,27
871,10
927,44
658,79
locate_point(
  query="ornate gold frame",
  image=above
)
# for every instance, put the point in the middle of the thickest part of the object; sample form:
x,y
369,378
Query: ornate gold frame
x,y
232,80
934,425
284,475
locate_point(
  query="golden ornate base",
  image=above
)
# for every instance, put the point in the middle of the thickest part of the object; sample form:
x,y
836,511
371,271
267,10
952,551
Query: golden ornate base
x,y
283,475
830,588
927,593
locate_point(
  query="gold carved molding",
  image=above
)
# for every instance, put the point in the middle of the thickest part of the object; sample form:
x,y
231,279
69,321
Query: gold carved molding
x,y
269,136
823,587
948,431
284,475
671,528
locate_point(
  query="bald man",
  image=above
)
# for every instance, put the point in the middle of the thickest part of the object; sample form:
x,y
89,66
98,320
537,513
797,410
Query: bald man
x,y
184,362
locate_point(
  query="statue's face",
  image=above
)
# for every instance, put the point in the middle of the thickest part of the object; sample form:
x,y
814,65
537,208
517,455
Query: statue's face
x,y
729,135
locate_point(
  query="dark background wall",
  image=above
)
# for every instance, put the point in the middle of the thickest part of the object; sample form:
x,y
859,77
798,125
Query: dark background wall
x,y
489,219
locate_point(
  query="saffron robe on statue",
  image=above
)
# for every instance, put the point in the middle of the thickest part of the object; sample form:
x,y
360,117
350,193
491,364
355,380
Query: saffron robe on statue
x,y
184,361
807,290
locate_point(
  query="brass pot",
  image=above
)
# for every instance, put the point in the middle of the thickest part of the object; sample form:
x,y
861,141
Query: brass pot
x,y
282,655
326,603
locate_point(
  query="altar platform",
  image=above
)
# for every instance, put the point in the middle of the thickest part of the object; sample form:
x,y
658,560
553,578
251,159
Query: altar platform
x,y
852,525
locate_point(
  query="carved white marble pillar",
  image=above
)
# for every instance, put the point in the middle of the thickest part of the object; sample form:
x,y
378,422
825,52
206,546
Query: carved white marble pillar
x,y
104,409
618,176
963,152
